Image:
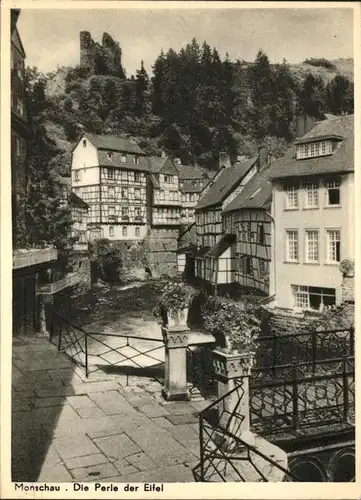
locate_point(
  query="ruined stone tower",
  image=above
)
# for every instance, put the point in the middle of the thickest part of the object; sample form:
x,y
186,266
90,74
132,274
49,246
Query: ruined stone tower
x,y
105,58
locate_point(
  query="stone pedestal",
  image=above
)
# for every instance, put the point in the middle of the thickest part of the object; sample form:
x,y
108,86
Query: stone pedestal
x,y
232,372
43,301
175,373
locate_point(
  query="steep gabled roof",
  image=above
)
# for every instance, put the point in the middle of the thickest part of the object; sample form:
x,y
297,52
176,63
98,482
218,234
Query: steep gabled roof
x,y
114,143
257,193
160,164
115,161
225,183
74,199
189,187
16,41
340,161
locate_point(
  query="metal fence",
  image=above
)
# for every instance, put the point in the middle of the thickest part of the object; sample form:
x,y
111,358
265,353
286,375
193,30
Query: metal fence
x,y
126,355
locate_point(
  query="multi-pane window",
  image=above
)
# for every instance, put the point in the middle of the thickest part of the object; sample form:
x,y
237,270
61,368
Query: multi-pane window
x,y
292,253
169,179
124,175
125,213
312,246
111,231
76,175
333,192
137,231
137,193
312,149
333,245
124,192
312,297
111,192
260,234
111,212
291,196
136,160
110,173
137,177
311,190
124,230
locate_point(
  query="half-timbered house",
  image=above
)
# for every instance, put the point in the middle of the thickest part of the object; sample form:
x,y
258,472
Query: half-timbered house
x,y
248,218
164,203
109,173
215,255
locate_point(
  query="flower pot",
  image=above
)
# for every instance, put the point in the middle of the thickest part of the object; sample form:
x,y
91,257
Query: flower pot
x,y
177,318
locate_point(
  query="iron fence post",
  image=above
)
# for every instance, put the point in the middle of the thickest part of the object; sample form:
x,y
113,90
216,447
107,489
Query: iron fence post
x,y
59,336
86,355
314,350
294,398
345,392
201,450
51,326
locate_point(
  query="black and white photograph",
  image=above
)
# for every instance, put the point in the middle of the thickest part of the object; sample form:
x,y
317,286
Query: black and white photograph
x,y
181,205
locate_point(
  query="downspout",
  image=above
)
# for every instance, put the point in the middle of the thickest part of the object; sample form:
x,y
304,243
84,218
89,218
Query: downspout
x,y
273,253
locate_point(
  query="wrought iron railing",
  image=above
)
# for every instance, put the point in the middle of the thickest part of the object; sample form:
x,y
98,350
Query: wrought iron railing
x,y
200,371
116,353
296,399
224,455
312,347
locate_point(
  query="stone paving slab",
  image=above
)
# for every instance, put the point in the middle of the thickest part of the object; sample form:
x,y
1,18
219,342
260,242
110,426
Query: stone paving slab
x,y
182,419
94,472
76,446
85,461
153,410
141,461
117,446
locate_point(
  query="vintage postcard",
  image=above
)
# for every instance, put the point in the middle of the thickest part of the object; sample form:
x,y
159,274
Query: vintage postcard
x,y
179,248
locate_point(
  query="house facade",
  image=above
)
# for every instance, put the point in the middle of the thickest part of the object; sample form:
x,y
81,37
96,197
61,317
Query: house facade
x,y
164,195
110,175
313,210
192,180
248,217
214,260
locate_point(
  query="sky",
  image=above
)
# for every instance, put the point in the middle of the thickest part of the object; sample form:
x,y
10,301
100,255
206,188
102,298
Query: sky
x,y
51,37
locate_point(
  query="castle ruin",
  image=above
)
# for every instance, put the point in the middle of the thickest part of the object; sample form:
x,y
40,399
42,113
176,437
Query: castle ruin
x,y
101,59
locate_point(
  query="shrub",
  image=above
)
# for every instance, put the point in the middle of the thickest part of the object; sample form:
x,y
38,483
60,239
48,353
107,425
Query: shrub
x,y
321,62
176,295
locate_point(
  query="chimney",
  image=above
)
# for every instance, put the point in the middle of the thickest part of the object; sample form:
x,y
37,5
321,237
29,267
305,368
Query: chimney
x,y
304,123
224,160
177,161
262,156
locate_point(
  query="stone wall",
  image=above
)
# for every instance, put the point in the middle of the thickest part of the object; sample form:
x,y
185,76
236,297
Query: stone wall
x,y
162,247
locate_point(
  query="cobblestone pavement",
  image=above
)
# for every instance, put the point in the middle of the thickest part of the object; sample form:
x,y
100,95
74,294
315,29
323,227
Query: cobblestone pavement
x,y
69,428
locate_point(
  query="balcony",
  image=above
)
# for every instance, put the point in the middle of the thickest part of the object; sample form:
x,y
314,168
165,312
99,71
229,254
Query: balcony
x,y
50,288
33,256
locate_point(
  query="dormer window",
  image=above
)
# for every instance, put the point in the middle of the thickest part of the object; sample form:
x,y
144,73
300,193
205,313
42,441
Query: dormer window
x,y
123,158
136,160
313,149
110,156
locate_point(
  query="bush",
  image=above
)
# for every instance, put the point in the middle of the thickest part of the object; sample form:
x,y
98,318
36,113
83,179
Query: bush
x,y
108,258
235,325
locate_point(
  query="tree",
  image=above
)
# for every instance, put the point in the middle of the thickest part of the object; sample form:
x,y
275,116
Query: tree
x,y
312,97
141,88
340,95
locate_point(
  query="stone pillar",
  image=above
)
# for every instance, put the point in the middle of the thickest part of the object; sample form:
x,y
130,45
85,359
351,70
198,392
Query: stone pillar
x,y
232,372
43,300
175,373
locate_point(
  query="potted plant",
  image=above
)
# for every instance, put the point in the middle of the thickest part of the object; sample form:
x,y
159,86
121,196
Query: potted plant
x,y
174,303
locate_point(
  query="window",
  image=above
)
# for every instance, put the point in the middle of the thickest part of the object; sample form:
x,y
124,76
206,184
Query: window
x,y
84,143
311,297
124,230
333,246
124,176
111,231
260,234
137,177
291,197
137,193
262,268
168,179
111,213
333,192
123,159
249,269
111,192
311,190
124,192
110,156
136,159
292,246
125,213
312,149
110,174
137,231
312,246
76,175
138,212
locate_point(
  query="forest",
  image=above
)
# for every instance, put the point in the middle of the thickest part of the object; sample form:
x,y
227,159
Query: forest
x,y
193,106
